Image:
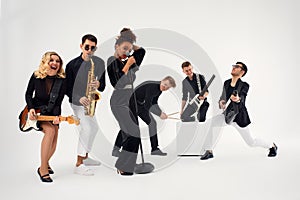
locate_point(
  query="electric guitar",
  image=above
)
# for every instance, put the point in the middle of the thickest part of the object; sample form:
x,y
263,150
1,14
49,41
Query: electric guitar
x,y
25,124
196,99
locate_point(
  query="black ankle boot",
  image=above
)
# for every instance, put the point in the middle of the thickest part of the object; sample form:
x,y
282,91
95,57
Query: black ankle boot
x,y
207,155
273,151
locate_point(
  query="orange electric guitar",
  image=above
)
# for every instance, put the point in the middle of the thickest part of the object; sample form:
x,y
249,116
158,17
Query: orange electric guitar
x,y
26,124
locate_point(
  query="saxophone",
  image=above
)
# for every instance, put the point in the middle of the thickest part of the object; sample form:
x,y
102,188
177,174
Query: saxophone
x,y
92,93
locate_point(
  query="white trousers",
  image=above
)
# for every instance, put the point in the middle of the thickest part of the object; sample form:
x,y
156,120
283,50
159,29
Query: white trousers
x,y
214,133
87,129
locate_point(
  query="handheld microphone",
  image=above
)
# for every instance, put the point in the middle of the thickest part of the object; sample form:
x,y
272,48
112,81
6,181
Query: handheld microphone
x,y
128,54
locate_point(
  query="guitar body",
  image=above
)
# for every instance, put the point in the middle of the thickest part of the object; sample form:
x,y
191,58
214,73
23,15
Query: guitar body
x,y
25,124
195,104
31,124
196,101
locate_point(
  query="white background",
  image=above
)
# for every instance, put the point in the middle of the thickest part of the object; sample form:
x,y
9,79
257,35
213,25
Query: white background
x,y
263,34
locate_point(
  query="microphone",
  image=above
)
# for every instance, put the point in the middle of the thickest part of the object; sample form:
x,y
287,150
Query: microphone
x,y
128,54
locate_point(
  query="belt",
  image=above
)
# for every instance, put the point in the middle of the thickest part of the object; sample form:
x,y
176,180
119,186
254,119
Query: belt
x,y
128,86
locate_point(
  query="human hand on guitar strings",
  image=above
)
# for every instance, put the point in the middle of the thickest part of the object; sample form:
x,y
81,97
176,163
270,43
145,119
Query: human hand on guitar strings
x,y
56,120
204,96
201,97
32,114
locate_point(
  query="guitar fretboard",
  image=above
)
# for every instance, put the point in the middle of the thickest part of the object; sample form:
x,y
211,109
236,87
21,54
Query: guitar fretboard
x,y
50,118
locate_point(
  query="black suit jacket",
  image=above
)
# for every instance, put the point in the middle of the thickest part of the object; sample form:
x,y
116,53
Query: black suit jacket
x,y
146,95
77,76
242,118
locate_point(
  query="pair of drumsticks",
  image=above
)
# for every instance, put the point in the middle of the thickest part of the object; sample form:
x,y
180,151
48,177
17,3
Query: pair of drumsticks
x,y
173,117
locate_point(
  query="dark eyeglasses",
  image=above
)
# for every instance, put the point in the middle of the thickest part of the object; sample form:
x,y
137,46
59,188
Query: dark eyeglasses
x,y
87,47
237,66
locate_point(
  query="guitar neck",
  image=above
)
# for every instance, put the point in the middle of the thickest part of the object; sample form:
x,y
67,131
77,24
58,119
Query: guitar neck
x,y
207,85
50,118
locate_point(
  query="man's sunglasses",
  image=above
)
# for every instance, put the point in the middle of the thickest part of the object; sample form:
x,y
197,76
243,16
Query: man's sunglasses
x,y
87,47
237,66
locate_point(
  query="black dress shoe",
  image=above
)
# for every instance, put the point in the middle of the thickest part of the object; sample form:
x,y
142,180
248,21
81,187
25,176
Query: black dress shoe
x,y
273,151
158,152
124,173
207,155
45,178
50,170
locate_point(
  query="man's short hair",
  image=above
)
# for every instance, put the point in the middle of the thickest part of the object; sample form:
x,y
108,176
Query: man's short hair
x,y
171,81
88,37
185,64
244,67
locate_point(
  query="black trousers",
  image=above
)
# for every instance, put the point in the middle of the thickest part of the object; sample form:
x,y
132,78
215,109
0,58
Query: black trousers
x,y
128,121
191,109
147,117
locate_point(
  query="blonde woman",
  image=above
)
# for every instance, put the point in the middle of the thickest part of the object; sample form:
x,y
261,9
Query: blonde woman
x,y
48,79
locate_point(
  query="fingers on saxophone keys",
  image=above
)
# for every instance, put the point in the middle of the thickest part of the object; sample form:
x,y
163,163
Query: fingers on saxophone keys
x,y
87,102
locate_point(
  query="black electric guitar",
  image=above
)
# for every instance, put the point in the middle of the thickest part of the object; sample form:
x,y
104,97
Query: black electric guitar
x,y
25,124
196,99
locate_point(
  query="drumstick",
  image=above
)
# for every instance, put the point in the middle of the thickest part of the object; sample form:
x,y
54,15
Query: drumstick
x,y
173,118
172,113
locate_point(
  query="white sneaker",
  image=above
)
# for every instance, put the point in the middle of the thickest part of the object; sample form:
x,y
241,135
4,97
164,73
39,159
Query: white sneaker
x,y
91,162
83,170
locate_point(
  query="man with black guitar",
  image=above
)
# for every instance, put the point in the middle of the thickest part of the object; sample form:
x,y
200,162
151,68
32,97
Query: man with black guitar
x,y
192,85
234,114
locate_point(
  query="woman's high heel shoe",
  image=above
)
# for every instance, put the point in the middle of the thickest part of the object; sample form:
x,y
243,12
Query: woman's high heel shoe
x,y
124,173
50,170
45,178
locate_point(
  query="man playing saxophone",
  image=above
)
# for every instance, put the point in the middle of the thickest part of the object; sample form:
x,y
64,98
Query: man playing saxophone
x,y
91,93
85,76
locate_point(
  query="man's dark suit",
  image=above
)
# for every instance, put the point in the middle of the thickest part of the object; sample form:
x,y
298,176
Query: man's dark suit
x,y
145,97
242,118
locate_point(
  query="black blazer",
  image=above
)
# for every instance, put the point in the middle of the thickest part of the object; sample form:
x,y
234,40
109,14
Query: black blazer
x,y
36,94
146,95
77,76
242,118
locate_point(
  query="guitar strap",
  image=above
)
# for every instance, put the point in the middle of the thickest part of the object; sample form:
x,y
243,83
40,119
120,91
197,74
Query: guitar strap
x,y
199,87
54,94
